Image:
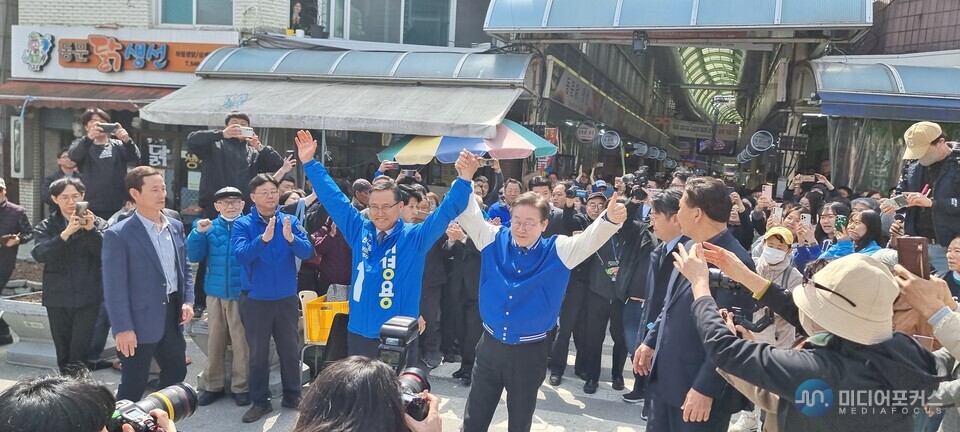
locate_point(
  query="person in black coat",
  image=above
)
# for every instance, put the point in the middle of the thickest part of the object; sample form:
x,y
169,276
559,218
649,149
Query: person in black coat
x,y
465,284
688,393
631,283
573,314
69,246
65,168
103,161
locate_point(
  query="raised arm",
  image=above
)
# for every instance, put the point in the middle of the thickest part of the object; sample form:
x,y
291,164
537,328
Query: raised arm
x,y
455,202
481,232
573,250
348,219
78,150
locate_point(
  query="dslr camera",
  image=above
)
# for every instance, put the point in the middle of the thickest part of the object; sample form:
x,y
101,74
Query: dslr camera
x,y
396,337
636,182
178,400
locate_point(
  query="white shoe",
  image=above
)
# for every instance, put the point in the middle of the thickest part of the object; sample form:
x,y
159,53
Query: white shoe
x,y
747,422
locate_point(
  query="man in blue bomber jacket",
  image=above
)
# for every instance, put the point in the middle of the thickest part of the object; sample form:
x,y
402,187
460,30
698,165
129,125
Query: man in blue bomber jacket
x,y
388,254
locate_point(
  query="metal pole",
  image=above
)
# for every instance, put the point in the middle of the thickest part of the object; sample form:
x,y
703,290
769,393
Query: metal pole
x,y
713,139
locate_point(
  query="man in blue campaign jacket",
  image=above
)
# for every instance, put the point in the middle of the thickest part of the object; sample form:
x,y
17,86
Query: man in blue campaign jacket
x,y
523,278
266,242
211,241
388,254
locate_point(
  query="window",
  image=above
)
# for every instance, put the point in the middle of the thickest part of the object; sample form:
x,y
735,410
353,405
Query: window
x,y
196,12
426,22
419,22
375,20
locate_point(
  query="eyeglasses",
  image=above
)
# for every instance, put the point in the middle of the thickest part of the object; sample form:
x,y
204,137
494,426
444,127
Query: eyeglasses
x,y
68,198
382,208
230,203
269,193
527,226
594,206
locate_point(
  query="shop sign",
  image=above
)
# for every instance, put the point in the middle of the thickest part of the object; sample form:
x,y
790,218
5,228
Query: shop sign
x,y
36,55
586,132
17,148
126,55
725,132
192,161
575,94
610,140
157,152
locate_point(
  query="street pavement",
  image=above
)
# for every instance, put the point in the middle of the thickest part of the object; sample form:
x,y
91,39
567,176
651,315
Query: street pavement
x,y
563,408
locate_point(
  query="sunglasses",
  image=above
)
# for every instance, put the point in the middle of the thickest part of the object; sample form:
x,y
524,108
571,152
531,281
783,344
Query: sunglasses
x,y
812,269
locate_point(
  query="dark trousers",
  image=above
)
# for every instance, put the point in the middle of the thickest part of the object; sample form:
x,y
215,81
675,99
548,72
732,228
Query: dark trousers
x,y
72,329
600,312
516,368
472,332
632,321
169,351
430,310
668,418
367,347
100,332
450,324
261,320
572,320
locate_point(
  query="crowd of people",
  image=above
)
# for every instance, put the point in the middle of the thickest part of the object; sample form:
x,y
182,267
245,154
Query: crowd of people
x,y
502,273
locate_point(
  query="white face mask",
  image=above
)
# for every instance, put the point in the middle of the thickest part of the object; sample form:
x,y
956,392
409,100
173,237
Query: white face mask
x,y
773,255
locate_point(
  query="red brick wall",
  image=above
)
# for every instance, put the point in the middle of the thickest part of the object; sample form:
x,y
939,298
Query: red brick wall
x,y
905,26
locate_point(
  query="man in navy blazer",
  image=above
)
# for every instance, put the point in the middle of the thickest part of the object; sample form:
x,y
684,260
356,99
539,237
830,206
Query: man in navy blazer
x,y
687,392
148,287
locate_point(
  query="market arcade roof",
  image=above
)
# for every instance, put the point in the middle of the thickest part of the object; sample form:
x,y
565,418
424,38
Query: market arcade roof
x,y
423,93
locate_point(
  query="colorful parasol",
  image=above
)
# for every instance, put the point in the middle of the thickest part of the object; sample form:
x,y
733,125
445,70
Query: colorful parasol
x,y
513,141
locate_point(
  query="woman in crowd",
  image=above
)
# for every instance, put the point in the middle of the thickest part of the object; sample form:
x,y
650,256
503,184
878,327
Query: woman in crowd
x,y
360,394
862,235
852,347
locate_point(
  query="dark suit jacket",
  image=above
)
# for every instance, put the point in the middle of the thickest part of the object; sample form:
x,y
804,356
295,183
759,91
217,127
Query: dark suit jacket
x,y
555,226
681,362
464,270
134,285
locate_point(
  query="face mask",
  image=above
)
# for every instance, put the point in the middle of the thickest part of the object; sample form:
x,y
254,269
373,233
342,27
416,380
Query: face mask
x,y
809,326
773,255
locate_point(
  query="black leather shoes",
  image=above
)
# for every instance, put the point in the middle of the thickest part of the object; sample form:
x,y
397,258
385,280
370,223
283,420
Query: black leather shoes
x,y
241,399
291,403
590,387
618,383
207,397
555,380
460,373
255,412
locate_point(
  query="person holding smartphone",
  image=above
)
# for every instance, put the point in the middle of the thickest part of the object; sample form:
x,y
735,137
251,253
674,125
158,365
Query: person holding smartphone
x,y
931,184
103,155
231,156
69,243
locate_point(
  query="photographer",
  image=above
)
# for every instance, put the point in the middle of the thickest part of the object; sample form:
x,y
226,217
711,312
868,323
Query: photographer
x,y
360,394
103,161
69,246
933,167
63,403
852,345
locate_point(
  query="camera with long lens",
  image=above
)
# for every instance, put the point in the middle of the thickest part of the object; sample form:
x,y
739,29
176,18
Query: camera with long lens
x,y
575,192
179,401
396,338
720,280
